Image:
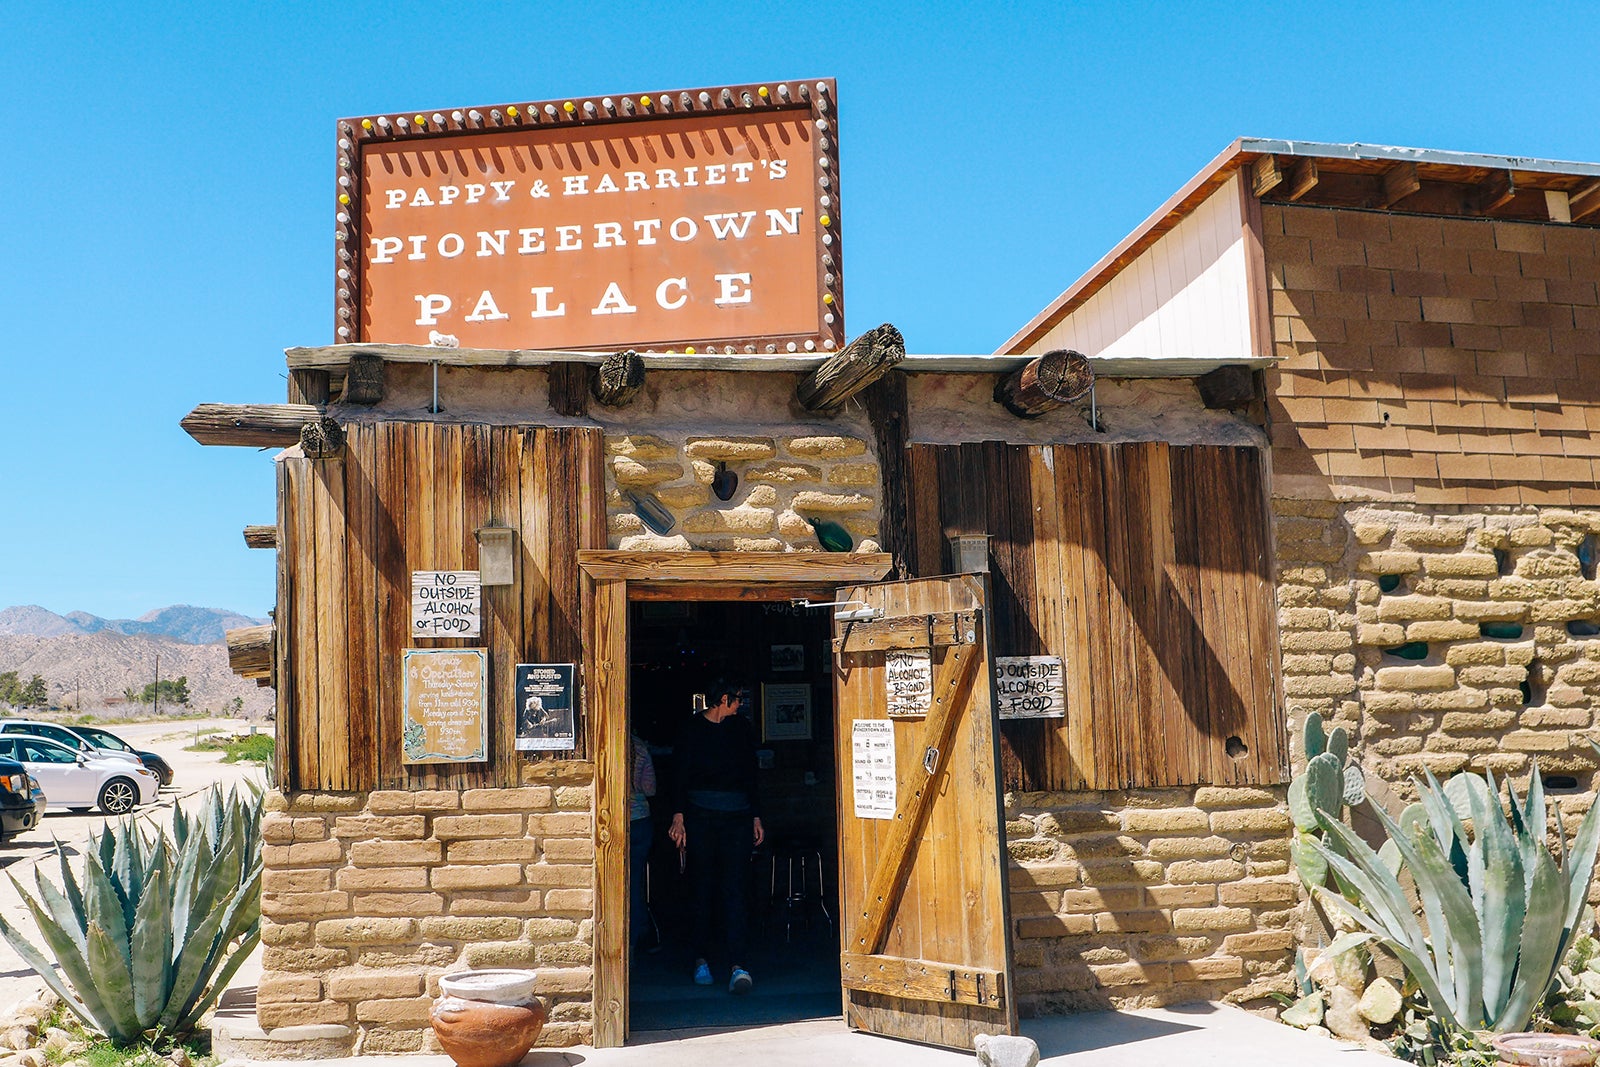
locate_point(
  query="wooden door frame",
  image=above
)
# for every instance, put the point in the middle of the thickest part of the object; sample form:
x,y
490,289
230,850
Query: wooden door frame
x,y
610,579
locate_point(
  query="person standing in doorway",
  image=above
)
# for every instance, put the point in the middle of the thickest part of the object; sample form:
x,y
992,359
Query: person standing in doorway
x,y
716,816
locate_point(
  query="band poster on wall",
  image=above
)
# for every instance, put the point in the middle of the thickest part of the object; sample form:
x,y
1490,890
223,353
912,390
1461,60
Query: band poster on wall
x,y
545,696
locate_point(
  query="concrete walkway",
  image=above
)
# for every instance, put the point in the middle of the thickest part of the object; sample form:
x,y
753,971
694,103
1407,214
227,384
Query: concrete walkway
x,y
1195,1035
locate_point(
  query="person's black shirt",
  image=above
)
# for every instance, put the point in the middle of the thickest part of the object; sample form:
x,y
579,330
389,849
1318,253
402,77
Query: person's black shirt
x,y
716,757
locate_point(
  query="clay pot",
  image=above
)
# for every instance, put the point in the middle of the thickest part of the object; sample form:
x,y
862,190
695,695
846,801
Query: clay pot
x,y
1546,1050
487,1018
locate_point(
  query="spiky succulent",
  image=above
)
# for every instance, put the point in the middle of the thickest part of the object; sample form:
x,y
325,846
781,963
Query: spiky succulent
x,y
149,938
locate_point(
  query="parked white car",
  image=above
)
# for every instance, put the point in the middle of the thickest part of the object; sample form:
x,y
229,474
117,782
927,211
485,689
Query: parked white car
x,y
64,735
78,780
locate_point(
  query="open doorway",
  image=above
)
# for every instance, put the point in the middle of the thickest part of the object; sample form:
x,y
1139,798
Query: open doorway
x,y
783,655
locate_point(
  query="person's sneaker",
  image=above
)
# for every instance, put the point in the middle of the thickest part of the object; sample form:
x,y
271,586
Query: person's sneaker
x,y
702,974
741,982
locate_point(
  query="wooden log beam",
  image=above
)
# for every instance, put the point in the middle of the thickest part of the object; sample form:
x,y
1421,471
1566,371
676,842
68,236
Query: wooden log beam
x,y
1232,386
363,379
1265,175
249,425
1399,182
321,438
1046,383
261,536
860,363
619,379
1302,179
250,651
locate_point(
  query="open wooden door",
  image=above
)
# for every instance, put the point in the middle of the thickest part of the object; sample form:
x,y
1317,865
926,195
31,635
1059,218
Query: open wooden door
x,y
922,867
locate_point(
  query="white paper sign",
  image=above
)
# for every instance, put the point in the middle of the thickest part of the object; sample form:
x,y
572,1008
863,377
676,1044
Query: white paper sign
x,y
872,768
446,604
908,677
1030,687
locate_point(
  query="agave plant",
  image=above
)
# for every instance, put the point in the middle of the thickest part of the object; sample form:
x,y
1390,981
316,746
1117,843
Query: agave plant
x,y
151,936
1500,909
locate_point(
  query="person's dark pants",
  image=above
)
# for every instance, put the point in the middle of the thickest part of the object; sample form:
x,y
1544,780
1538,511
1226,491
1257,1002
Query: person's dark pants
x,y
641,836
719,877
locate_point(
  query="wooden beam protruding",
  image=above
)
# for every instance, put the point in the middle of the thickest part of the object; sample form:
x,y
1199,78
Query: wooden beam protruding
x,y
261,536
250,651
861,362
308,386
249,425
1046,383
1302,179
363,379
321,438
1496,192
619,379
1584,202
1265,175
1225,388
1399,182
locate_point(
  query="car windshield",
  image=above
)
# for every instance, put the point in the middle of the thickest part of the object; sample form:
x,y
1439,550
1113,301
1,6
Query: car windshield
x,y
39,751
104,738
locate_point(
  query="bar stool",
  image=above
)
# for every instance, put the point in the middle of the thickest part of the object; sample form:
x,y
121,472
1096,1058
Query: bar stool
x,y
800,861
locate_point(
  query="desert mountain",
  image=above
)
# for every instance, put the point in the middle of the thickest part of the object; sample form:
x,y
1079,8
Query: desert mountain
x,y
102,665
180,622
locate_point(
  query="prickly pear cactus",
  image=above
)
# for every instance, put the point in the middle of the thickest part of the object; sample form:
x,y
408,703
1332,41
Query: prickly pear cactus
x,y
1328,783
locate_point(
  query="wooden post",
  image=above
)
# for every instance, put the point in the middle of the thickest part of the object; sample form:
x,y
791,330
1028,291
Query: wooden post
x,y
862,362
321,438
569,388
255,425
1045,383
308,387
251,651
261,536
886,409
363,380
618,380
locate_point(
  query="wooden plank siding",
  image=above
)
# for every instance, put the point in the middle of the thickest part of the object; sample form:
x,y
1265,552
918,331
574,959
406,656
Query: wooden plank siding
x,y
407,496
1147,568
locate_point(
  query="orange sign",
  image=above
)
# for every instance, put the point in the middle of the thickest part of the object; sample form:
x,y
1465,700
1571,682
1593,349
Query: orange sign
x,y
706,218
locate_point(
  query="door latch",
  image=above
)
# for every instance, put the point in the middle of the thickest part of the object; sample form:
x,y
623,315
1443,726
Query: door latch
x,y
930,760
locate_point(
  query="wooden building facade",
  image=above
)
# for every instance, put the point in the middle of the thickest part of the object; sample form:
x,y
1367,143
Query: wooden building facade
x,y
1191,543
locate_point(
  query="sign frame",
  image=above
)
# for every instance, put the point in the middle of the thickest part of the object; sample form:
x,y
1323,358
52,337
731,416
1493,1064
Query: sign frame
x,y
541,122
413,733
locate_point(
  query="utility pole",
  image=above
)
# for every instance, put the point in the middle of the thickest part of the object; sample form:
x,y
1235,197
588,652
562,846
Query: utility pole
x,y
158,684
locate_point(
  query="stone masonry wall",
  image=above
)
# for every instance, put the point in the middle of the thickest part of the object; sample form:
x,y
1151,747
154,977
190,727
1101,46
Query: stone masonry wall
x,y
1498,605
783,480
1150,897
368,898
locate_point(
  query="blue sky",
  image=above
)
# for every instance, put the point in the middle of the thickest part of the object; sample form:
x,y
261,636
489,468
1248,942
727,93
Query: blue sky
x,y
166,207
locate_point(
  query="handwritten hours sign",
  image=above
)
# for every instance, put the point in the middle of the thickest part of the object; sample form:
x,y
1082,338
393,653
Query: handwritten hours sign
x,y
678,229
1029,687
445,705
446,604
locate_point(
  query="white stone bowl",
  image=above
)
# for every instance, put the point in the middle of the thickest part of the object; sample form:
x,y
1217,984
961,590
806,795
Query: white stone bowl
x,y
491,987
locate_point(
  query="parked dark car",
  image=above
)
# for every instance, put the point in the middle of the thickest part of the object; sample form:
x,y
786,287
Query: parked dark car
x,y
19,807
106,739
